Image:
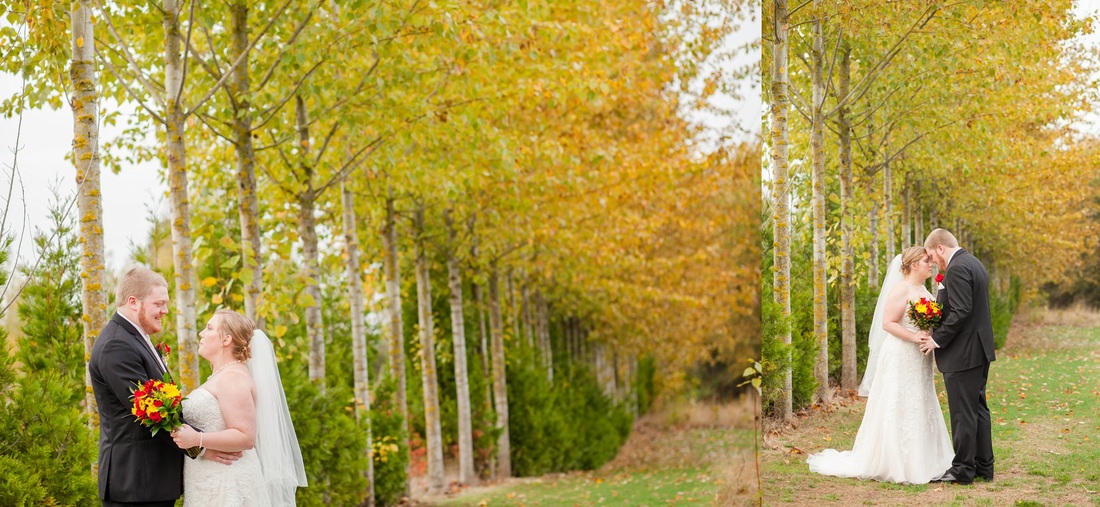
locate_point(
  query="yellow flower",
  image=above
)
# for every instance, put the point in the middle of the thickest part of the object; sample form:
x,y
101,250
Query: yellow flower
x,y
170,390
921,308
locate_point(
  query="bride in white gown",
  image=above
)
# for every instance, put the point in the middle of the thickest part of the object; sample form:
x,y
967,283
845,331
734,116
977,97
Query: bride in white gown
x,y
903,437
240,408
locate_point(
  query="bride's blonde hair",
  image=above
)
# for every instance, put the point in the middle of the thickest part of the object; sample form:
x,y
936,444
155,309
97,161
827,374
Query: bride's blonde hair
x,y
240,328
911,255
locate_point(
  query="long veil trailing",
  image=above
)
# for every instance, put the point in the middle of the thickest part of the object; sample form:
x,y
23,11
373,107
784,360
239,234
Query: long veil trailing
x,y
276,442
877,334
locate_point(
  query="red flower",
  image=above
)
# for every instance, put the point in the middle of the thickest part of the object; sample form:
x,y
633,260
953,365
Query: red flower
x,y
939,278
158,403
164,349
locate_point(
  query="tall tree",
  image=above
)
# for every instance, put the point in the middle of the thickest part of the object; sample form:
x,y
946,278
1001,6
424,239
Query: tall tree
x,y
781,214
82,73
428,375
358,326
458,336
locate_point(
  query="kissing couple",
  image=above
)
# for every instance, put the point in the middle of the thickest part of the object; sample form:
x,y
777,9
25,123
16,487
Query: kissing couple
x,y
238,417
903,437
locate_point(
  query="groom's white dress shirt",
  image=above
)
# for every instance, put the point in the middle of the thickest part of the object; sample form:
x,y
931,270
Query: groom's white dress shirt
x,y
148,341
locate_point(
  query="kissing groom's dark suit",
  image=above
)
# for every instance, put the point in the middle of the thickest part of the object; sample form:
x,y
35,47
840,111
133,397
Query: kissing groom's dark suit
x,y
134,467
965,340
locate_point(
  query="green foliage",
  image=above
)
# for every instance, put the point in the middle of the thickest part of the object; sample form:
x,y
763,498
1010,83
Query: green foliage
x,y
802,350
568,425
333,443
47,449
1003,305
644,387
390,443
50,307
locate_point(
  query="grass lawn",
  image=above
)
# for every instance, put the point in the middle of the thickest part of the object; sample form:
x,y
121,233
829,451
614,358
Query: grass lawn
x,y
675,459
1044,398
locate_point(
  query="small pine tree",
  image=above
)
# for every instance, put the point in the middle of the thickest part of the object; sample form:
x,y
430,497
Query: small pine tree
x,y
47,449
50,310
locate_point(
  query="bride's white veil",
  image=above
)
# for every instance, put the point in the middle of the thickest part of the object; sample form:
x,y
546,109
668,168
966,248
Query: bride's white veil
x,y
276,442
877,334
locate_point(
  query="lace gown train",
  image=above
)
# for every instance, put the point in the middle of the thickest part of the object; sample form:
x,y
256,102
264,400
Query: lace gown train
x,y
903,437
209,483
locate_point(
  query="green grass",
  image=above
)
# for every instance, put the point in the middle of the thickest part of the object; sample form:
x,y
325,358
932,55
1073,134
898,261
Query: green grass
x,y
677,467
1044,398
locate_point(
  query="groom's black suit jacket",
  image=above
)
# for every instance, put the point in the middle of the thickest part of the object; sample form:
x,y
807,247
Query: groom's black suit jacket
x,y
965,335
133,465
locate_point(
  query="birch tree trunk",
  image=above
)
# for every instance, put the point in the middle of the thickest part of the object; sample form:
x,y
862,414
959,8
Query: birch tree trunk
x,y
307,230
176,149
393,309
528,314
393,317
906,217
500,384
542,332
428,377
248,204
872,226
781,212
462,378
514,305
482,322
358,328
817,148
849,379
888,208
89,203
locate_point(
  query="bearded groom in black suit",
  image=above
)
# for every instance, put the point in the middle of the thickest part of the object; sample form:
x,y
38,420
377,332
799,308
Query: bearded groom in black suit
x,y
963,345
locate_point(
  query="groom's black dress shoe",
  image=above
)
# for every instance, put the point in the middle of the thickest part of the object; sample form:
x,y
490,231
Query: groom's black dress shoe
x,y
950,477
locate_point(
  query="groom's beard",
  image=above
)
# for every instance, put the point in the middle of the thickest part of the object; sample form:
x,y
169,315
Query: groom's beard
x,y
150,325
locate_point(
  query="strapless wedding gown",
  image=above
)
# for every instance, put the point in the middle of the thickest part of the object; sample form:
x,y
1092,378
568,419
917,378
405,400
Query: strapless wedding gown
x,y
903,437
208,483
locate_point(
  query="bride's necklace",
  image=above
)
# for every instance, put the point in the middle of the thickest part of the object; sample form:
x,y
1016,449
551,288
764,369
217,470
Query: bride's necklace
x,y
219,370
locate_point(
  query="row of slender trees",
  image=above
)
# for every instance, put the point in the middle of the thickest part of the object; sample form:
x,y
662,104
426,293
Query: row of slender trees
x,y
536,152
886,120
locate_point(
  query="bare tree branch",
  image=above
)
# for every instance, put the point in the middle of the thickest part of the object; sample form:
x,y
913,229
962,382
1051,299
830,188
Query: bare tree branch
x,y
131,93
285,46
232,68
127,54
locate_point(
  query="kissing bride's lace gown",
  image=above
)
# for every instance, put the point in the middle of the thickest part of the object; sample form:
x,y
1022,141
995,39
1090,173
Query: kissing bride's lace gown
x,y
903,437
208,483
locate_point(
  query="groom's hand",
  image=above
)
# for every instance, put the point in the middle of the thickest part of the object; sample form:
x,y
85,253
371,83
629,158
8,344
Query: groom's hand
x,y
225,458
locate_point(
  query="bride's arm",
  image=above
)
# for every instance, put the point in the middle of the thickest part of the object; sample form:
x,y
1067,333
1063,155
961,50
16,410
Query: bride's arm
x,y
894,311
238,408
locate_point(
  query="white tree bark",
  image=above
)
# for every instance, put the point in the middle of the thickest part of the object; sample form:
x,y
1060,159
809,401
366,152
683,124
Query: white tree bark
x,y
428,377
396,337
466,474
358,328
781,212
248,205
89,202
817,149
307,231
178,201
500,383
849,378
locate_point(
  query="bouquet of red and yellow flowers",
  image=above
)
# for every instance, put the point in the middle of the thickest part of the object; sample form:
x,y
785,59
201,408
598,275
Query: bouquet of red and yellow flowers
x,y
157,404
924,313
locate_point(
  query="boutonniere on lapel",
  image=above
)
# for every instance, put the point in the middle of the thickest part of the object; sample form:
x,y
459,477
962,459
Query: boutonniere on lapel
x,y
939,281
164,350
